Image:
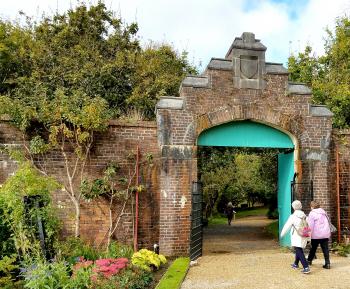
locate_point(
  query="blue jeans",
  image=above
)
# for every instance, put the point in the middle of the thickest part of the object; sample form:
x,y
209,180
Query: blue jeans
x,y
299,256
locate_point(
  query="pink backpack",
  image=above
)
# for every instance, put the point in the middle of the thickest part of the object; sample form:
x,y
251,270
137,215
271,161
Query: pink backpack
x,y
303,229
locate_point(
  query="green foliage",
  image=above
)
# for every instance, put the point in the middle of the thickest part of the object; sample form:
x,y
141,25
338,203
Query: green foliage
x,y
272,229
81,278
73,248
134,278
221,219
159,72
117,250
131,278
7,244
86,51
25,183
8,267
328,75
44,275
175,274
341,249
227,177
146,259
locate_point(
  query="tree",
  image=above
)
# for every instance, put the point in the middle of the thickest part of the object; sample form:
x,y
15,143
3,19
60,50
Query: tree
x,y
328,75
159,72
236,175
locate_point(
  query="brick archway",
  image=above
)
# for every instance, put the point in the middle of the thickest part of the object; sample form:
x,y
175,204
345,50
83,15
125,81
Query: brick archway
x,y
241,86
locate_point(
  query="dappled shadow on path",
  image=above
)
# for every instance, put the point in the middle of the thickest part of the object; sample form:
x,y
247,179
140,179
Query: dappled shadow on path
x,y
243,236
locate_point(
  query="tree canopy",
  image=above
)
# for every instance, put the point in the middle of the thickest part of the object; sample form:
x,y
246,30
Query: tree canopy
x,y
329,74
87,51
227,177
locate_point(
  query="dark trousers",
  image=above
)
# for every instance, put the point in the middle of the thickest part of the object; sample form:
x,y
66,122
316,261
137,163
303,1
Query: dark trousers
x,y
299,256
324,246
229,219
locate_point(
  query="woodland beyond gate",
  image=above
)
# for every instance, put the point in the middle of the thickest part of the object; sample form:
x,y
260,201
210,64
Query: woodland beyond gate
x,y
240,87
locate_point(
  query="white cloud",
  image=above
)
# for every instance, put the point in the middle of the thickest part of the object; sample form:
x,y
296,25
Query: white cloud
x,y
206,28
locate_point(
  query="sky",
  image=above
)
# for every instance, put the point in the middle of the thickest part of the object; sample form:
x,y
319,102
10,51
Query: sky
x,y
206,28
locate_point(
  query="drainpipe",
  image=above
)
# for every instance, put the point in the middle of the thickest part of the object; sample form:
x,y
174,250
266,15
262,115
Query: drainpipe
x,y
136,200
338,191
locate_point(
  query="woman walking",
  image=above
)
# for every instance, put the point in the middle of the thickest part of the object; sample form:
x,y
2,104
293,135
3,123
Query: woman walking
x,y
230,213
320,233
298,242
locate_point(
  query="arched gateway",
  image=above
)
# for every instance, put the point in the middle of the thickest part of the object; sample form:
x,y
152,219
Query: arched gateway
x,y
239,100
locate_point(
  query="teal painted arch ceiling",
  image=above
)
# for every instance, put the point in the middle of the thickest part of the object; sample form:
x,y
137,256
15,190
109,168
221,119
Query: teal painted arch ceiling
x,y
245,134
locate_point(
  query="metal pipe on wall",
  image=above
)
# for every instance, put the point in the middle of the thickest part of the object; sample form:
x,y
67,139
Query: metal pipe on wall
x,y
338,191
136,200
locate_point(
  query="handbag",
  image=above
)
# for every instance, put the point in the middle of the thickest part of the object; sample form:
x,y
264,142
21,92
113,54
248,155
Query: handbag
x,y
331,226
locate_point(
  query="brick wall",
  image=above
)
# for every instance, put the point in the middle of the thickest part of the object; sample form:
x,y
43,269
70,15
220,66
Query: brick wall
x,y
341,144
120,140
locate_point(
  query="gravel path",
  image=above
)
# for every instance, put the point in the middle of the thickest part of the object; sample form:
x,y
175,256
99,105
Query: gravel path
x,y
242,256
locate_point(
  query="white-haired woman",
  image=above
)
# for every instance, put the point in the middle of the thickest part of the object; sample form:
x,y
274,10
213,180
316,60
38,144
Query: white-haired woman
x,y
298,242
230,213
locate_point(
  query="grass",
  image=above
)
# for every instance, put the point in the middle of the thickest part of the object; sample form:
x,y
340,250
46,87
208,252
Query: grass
x,y
272,229
174,276
221,220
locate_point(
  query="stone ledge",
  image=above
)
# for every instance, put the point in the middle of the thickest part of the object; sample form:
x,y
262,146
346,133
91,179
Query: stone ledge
x,y
298,88
178,152
139,123
220,64
319,110
195,81
170,102
275,68
341,131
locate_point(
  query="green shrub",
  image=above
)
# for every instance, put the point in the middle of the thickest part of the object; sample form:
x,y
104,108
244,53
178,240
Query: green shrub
x,y
117,250
44,275
20,220
272,229
147,260
8,268
7,245
74,248
131,278
341,249
273,214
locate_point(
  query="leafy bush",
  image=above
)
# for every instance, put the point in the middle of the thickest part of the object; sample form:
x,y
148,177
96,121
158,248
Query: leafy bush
x,y
7,245
117,250
341,249
147,260
20,220
74,248
7,269
43,275
273,214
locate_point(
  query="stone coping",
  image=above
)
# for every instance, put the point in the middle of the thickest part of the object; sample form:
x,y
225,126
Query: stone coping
x,y
195,81
319,110
113,122
298,88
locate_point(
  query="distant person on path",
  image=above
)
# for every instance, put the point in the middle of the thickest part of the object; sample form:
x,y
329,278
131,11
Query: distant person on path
x,y
320,233
298,242
230,213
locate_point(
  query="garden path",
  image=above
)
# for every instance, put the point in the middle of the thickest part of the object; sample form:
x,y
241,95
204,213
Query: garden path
x,y
244,256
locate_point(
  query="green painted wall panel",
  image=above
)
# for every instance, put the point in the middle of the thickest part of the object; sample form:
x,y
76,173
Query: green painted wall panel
x,y
285,177
245,134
